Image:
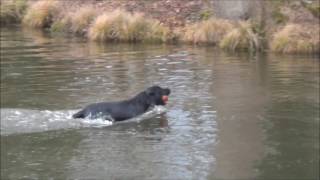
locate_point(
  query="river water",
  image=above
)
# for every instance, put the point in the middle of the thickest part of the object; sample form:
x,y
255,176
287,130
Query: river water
x,y
229,116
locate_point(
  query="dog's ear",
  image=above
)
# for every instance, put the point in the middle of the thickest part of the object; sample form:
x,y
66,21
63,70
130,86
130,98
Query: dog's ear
x,y
150,92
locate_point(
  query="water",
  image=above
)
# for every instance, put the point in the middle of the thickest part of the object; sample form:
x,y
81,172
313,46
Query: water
x,y
229,116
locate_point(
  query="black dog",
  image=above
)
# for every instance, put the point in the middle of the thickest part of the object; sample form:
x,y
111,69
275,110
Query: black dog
x,y
122,110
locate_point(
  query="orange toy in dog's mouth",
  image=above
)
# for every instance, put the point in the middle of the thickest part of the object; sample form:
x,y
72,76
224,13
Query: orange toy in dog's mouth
x,y
165,99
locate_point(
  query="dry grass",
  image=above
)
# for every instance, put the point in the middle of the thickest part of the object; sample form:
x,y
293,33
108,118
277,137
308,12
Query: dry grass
x,y
132,28
295,38
61,24
159,33
241,38
81,19
105,27
121,26
12,11
207,32
76,22
40,14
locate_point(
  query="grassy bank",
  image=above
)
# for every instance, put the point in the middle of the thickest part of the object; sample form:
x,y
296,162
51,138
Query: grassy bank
x,y
96,24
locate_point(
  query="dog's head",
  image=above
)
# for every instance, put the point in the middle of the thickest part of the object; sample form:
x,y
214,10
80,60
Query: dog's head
x,y
157,95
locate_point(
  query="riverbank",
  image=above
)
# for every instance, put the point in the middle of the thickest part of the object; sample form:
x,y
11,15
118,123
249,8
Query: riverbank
x,y
278,26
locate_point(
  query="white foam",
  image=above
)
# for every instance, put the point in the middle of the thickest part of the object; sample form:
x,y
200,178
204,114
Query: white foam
x,y
26,121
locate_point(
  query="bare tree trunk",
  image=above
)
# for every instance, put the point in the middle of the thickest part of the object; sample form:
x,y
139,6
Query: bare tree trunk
x,y
231,9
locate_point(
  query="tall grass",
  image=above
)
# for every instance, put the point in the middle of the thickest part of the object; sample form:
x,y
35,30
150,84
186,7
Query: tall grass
x,y
76,22
242,37
209,31
12,11
81,19
121,26
40,14
295,38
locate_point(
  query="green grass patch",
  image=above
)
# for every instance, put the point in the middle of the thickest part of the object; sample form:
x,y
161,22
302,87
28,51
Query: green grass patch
x,y
61,25
206,14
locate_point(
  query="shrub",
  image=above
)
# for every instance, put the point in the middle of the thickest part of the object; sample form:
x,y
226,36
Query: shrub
x,y
40,14
122,26
207,32
295,38
81,19
241,38
159,33
12,11
61,25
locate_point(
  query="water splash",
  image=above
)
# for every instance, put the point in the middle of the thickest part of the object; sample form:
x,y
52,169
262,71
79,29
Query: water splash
x,y
15,121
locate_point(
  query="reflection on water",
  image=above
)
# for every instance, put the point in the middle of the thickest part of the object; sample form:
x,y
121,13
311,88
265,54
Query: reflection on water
x,y
44,155
229,116
291,122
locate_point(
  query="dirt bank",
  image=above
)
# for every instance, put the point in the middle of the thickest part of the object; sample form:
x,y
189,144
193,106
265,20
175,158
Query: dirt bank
x,y
252,25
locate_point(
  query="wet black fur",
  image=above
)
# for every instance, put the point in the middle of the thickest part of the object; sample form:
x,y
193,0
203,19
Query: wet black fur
x,y
126,109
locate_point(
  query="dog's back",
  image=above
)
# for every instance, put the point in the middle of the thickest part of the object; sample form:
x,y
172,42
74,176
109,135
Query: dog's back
x,y
117,110
126,109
